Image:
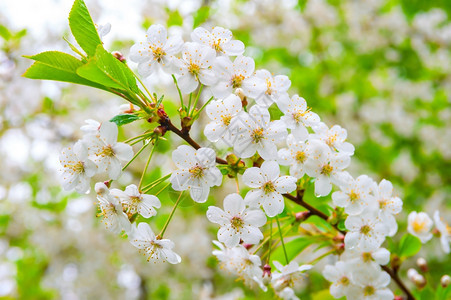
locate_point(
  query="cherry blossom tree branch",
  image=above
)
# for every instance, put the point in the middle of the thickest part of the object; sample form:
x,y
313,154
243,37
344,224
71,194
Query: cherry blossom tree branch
x,y
298,199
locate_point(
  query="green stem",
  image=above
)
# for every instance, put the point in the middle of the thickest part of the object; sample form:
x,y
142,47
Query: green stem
x,y
165,187
153,184
270,241
179,91
189,102
147,164
281,239
321,257
170,216
135,156
197,98
203,106
136,137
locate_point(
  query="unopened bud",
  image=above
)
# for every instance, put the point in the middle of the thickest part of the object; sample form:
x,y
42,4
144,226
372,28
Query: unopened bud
x,y
160,130
445,281
411,273
422,264
107,183
398,298
302,216
419,281
232,159
118,55
247,246
161,113
340,248
267,270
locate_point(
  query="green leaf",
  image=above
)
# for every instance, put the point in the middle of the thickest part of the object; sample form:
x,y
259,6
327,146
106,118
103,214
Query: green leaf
x,y
83,28
4,32
105,69
175,19
322,295
46,72
201,16
58,60
124,119
293,247
92,72
409,245
442,292
116,69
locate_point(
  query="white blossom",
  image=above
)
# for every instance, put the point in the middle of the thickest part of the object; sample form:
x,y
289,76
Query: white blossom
x,y
195,66
340,276
334,137
237,74
325,166
276,88
267,187
297,116
224,116
370,284
237,222
91,127
444,230
295,156
288,275
106,152
387,204
219,39
197,171
354,195
361,259
155,248
114,217
256,132
366,232
158,51
420,225
76,169
136,202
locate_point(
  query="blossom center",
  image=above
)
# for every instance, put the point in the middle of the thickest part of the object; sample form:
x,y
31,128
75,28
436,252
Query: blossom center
x,y
197,171
217,45
268,87
107,151
331,140
77,168
269,187
300,156
344,281
257,135
353,196
366,257
327,169
298,116
226,119
194,69
418,226
237,80
237,223
369,290
365,230
158,54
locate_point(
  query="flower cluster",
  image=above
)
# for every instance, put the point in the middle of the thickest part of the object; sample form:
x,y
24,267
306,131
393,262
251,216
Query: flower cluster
x,y
239,113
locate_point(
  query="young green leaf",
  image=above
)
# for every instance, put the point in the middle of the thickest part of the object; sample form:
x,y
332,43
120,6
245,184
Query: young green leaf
x,y
44,71
294,248
409,245
124,119
58,60
4,32
83,29
92,72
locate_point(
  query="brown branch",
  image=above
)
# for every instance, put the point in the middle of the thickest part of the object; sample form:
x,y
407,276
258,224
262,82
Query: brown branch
x,y
185,135
313,211
399,282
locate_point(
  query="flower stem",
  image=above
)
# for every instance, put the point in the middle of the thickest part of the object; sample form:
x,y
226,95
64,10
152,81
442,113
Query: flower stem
x,y
136,155
178,89
197,98
321,256
147,164
170,215
281,239
153,184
